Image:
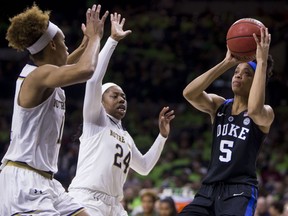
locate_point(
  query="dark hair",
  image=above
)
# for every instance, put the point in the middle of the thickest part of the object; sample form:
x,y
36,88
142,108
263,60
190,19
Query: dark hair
x,y
278,205
171,203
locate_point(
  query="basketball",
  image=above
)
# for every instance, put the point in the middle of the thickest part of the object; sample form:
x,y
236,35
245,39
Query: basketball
x,y
240,40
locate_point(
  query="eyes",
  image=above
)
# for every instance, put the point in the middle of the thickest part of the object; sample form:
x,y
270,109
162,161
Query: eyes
x,y
246,72
115,96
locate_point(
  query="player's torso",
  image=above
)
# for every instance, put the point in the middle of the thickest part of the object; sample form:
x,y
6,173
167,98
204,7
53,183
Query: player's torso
x,y
105,158
236,143
36,132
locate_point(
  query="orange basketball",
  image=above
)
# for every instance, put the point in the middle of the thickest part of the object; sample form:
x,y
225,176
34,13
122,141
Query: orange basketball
x,y
240,38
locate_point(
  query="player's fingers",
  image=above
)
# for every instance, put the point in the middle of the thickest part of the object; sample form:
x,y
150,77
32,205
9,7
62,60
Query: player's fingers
x,y
268,36
163,111
88,14
263,38
123,22
105,16
97,9
127,32
256,38
119,18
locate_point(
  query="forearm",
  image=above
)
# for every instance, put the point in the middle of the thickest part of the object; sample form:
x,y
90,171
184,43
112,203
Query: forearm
x,y
93,95
75,55
103,61
143,164
202,82
256,98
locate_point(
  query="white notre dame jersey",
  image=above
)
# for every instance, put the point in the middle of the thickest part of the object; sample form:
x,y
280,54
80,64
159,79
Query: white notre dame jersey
x,y
104,159
36,132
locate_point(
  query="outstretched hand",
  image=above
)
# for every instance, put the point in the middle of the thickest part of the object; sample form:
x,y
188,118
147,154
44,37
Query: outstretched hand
x,y
94,24
165,117
117,32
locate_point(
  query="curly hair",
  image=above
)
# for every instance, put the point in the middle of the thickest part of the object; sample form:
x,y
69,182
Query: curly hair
x,y
27,27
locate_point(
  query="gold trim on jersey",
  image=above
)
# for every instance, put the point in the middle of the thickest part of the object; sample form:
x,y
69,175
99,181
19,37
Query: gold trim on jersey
x,y
23,165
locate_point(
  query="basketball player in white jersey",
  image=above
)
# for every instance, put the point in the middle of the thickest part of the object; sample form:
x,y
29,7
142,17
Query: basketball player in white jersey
x,y
26,181
107,151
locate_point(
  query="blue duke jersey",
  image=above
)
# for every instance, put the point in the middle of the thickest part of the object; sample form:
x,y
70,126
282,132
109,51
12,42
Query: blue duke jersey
x,y
233,137
36,132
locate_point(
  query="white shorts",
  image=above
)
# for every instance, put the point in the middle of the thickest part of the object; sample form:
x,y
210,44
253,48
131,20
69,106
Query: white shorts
x,y
98,204
24,192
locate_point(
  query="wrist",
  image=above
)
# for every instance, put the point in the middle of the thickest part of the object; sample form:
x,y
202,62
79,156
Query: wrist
x,y
112,39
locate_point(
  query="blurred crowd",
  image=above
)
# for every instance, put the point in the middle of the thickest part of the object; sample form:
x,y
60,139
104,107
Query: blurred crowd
x,y
167,49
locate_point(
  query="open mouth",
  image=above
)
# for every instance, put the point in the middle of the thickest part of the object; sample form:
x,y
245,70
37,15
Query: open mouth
x,y
122,108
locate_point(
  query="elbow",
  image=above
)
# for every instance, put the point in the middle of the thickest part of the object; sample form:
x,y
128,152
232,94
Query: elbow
x,y
186,94
144,173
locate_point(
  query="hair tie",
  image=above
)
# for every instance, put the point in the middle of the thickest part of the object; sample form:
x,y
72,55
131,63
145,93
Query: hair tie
x,y
107,85
252,65
44,39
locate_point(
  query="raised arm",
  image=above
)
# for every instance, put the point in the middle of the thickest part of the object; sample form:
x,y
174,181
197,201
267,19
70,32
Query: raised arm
x,y
143,164
76,54
93,94
195,92
40,82
261,114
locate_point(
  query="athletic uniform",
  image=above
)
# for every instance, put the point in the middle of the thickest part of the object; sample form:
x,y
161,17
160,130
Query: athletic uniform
x,y
26,180
230,186
107,151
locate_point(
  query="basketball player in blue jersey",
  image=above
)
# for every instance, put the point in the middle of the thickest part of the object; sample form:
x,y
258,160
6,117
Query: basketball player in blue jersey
x,y
107,151
239,127
26,180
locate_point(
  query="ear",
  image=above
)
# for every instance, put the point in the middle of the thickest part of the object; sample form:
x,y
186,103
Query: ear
x,y
52,44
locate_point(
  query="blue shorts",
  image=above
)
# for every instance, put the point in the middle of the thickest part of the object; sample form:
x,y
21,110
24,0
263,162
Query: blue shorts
x,y
223,199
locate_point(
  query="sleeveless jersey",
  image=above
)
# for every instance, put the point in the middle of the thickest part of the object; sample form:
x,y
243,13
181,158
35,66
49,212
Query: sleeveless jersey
x,y
235,147
36,132
104,157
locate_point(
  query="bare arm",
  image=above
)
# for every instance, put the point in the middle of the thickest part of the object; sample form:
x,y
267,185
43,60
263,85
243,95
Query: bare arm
x,y
195,93
261,114
44,79
76,54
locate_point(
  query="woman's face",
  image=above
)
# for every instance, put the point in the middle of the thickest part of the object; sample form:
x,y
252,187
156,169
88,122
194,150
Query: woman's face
x,y
242,79
164,209
114,102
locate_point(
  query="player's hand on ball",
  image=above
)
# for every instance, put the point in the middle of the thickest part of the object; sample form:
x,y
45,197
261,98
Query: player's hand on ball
x,y
263,45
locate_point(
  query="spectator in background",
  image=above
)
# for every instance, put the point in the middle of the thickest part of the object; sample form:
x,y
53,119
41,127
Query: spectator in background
x,y
285,209
148,198
167,207
262,207
276,208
